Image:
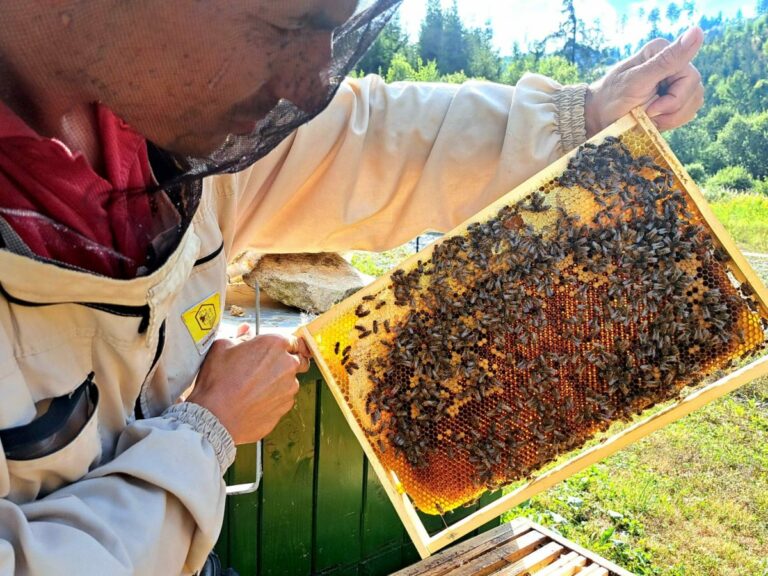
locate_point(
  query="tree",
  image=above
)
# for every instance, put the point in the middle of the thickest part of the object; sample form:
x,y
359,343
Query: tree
x,y
569,29
708,23
401,70
674,12
555,67
744,140
735,90
392,40
580,45
453,55
484,60
431,33
762,7
654,17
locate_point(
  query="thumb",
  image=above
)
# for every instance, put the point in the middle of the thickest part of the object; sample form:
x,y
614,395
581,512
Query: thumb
x,y
674,57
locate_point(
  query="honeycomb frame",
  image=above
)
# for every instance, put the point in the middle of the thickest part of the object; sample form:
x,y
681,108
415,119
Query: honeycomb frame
x,y
333,335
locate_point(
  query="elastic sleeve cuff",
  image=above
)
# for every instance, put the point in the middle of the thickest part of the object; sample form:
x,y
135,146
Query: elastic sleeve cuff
x,y
205,423
569,102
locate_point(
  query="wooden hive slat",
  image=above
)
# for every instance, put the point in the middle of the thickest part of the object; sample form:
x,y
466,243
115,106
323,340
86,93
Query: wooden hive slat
x,y
562,564
545,553
541,557
502,555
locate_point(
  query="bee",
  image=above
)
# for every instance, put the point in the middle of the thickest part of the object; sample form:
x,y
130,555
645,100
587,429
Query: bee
x,y
350,367
336,348
368,298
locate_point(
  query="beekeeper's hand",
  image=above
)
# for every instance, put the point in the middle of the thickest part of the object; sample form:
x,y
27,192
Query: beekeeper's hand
x,y
660,77
250,385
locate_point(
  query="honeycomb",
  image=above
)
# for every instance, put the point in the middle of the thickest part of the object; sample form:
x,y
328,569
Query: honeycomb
x,y
585,299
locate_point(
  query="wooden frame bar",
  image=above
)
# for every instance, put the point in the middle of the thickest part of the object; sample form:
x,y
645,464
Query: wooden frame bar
x,y
426,544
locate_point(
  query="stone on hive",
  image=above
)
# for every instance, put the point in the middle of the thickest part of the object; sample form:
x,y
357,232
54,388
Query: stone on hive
x,y
311,282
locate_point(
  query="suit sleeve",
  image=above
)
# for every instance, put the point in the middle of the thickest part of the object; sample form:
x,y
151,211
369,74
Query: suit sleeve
x,y
155,508
386,162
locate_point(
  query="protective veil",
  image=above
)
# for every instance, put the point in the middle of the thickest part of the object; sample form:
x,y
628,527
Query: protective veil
x,y
169,204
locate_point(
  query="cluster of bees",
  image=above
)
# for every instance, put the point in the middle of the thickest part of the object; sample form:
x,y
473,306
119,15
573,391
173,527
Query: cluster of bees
x,y
519,340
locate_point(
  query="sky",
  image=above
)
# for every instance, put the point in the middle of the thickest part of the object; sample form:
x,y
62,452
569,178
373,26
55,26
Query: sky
x,y
528,21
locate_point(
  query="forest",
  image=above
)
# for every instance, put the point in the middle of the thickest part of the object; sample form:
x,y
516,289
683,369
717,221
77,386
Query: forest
x,y
723,148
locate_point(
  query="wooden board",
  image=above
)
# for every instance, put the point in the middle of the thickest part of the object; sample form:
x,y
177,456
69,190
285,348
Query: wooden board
x,y
513,549
244,511
287,493
415,526
339,488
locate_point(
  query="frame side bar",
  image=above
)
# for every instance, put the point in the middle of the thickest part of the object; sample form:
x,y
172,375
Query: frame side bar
x,y
694,193
402,504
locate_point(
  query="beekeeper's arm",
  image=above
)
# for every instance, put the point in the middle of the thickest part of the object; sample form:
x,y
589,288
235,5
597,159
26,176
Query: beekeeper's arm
x,y
384,163
155,508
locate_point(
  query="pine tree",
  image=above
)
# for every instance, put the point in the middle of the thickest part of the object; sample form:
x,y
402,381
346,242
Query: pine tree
x,y
580,45
674,12
484,60
392,40
569,29
431,33
654,17
453,55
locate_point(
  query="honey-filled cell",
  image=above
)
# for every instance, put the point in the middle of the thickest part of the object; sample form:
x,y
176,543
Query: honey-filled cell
x,y
596,295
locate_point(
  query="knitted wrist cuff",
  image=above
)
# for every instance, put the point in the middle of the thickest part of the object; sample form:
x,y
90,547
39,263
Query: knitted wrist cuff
x,y
569,102
204,422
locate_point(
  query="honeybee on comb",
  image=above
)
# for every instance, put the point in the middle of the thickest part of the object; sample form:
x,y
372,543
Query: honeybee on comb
x,y
596,296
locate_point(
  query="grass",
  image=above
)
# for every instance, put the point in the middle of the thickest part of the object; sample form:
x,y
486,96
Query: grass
x,y
691,499
746,218
378,264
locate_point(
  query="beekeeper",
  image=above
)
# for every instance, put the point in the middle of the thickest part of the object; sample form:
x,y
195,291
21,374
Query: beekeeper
x,y
142,144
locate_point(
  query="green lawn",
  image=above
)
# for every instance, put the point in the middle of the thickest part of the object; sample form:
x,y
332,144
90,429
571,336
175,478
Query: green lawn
x,y
689,499
746,218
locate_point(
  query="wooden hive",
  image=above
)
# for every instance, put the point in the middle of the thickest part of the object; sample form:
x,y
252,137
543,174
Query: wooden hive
x,y
518,548
599,288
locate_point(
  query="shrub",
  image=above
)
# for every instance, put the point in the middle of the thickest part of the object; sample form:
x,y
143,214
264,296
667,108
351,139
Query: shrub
x,y
732,177
744,140
697,172
761,187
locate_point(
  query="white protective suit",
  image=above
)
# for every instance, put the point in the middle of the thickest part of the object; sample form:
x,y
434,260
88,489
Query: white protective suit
x,y
380,165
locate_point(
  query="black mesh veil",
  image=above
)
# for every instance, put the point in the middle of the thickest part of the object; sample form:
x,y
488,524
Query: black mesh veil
x,y
350,42
174,199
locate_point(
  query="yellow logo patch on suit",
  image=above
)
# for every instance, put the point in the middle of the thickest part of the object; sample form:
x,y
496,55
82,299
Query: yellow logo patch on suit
x,y
202,320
